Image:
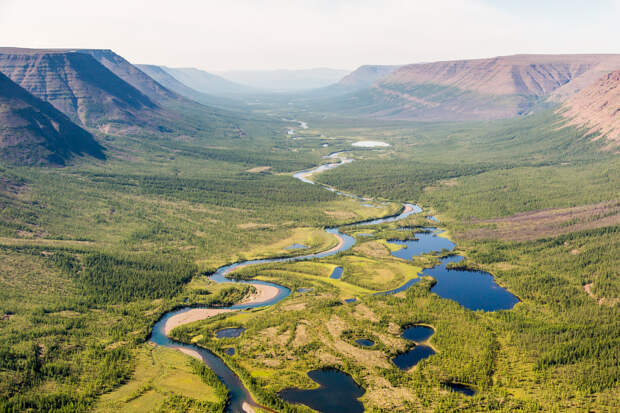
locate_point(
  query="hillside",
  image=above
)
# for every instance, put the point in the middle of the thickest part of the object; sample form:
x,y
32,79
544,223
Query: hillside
x,y
597,107
131,74
101,90
364,76
499,87
33,132
80,87
161,75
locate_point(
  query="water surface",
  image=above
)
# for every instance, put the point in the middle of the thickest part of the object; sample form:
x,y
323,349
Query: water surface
x,y
407,360
338,393
417,333
337,273
365,342
475,290
229,332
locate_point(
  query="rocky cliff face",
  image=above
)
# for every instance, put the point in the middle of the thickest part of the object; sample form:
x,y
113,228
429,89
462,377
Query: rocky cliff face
x,y
34,132
79,86
597,108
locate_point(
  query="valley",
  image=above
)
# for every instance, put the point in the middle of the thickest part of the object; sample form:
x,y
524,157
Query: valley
x,y
443,251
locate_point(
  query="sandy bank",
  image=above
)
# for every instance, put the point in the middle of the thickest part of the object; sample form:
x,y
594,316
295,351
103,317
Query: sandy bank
x,y
263,293
190,316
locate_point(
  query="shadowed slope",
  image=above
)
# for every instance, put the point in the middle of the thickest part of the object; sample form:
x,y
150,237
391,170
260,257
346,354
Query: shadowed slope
x,y
34,132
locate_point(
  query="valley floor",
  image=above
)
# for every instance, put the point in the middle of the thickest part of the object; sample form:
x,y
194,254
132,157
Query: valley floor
x,y
93,255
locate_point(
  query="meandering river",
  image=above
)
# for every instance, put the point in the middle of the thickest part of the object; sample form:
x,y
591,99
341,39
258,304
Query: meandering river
x,y
240,398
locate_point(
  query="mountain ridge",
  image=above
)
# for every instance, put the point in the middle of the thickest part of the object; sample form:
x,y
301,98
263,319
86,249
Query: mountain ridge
x,y
488,88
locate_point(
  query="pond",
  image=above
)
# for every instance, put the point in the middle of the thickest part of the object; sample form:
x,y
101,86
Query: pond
x,y
365,342
338,393
229,332
337,273
230,351
416,333
407,360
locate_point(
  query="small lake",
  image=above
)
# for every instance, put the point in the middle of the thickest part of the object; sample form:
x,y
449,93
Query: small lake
x,y
350,300
337,273
365,342
338,393
415,333
230,351
229,332
426,243
407,360
304,290
475,290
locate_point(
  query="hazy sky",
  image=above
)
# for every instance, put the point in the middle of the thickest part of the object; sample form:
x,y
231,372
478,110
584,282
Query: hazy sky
x,y
270,34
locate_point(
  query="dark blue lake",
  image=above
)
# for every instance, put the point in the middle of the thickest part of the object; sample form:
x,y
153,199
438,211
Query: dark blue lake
x,y
365,342
229,332
426,243
417,333
412,357
338,393
475,290
407,360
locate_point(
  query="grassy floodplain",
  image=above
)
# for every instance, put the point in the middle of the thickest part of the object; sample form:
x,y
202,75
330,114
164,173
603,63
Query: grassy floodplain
x,y
94,254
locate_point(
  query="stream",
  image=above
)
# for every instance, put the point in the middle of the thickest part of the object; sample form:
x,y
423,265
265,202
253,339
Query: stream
x,y
239,394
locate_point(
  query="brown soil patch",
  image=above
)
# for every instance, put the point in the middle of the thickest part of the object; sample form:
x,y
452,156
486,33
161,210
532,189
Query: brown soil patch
x,y
273,336
295,307
253,225
362,311
258,169
301,335
600,301
341,214
547,222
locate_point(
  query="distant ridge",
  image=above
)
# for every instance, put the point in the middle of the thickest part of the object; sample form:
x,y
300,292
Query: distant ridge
x,y
206,82
33,132
499,87
285,80
163,77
